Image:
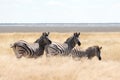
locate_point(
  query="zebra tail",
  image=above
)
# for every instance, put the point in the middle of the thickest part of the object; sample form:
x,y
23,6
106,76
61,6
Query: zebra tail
x,y
12,45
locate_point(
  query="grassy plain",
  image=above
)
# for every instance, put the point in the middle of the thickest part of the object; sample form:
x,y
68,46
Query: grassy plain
x,y
62,68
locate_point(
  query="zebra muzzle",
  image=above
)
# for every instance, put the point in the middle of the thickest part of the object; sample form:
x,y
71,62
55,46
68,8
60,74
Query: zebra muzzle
x,y
79,43
100,58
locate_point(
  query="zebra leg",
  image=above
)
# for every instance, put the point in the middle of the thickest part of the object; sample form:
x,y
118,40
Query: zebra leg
x,y
15,51
89,57
46,51
76,58
18,54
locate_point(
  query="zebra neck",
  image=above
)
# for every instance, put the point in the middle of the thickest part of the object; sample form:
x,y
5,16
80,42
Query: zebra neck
x,y
88,53
42,47
70,42
70,46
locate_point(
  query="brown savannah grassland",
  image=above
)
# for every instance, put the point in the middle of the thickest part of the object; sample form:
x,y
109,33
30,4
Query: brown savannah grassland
x,y
62,68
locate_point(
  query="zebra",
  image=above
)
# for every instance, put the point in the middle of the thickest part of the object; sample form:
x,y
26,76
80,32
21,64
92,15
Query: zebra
x,y
34,50
90,52
63,49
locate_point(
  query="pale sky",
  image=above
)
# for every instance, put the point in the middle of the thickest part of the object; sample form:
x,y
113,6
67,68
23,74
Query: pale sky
x,y
59,11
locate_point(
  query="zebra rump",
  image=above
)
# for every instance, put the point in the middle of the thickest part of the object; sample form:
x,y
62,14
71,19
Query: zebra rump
x,y
22,48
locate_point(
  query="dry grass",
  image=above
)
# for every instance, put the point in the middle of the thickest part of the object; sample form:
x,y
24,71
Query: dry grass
x,y
61,68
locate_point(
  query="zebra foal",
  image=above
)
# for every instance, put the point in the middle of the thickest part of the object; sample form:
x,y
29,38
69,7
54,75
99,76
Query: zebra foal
x,y
90,52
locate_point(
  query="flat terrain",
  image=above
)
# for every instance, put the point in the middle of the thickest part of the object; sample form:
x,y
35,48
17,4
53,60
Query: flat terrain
x,y
62,68
54,28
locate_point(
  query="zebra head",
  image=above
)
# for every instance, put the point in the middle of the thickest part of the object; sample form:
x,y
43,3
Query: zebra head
x,y
44,40
76,38
72,41
94,51
98,52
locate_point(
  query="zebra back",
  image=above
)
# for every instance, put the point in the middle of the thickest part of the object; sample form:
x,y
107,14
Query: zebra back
x,y
78,52
58,49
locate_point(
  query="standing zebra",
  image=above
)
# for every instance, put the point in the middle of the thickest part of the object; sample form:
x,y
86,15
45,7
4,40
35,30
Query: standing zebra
x,y
63,49
90,52
22,48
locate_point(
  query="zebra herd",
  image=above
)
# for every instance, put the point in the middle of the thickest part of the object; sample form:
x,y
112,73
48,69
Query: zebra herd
x,y
68,48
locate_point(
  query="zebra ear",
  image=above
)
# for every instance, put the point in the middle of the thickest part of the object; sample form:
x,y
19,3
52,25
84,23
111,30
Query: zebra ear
x,y
78,33
75,33
100,47
48,33
43,33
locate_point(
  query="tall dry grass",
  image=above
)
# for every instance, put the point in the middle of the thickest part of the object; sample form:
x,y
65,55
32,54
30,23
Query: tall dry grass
x,y
61,68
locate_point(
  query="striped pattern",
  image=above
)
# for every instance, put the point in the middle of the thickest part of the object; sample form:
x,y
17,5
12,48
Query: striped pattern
x,y
58,49
65,48
34,50
90,52
22,48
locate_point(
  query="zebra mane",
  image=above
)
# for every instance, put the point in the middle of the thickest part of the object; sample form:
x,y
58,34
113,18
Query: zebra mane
x,y
40,42
68,40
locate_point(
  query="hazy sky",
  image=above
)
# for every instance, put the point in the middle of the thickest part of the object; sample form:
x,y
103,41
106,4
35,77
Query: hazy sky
x,y
59,11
